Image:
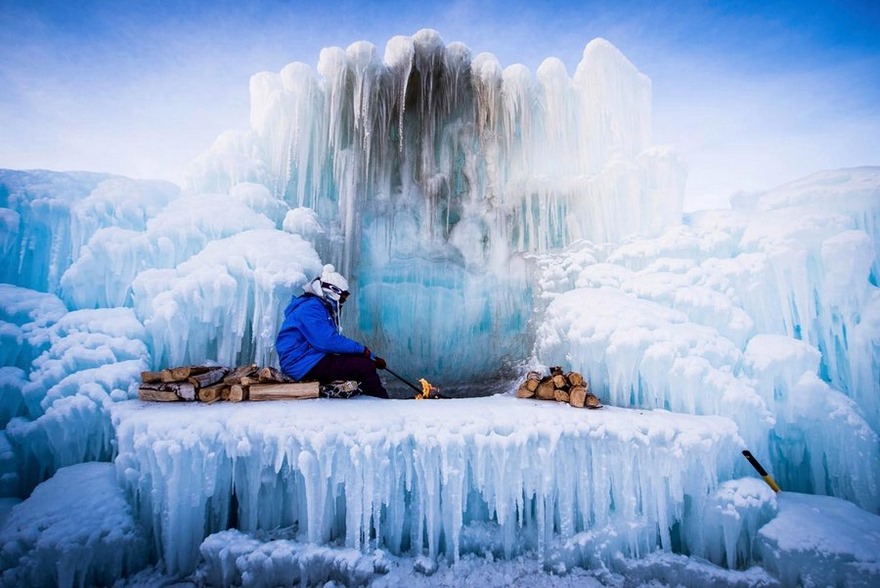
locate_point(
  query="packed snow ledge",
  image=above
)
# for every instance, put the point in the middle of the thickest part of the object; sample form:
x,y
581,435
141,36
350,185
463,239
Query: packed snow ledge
x,y
495,477
413,475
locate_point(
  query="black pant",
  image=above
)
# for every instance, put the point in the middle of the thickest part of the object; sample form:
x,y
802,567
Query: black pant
x,y
349,367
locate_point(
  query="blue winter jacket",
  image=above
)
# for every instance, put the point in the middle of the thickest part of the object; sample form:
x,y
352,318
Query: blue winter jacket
x,y
307,334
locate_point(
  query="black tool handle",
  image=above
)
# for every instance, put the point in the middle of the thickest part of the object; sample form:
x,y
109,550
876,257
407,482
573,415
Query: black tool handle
x,y
404,380
755,463
761,471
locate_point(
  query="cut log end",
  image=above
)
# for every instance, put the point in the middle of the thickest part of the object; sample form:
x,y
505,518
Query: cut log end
x,y
577,396
575,379
238,393
525,391
546,390
213,393
532,381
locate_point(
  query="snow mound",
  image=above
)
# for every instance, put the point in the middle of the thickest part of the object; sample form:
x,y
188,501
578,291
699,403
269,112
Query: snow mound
x,y
821,541
233,558
76,529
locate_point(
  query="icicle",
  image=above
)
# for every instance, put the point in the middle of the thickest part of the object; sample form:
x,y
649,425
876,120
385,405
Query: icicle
x,y
399,55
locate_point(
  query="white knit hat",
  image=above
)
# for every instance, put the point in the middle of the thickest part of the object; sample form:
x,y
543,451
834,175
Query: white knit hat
x,y
330,284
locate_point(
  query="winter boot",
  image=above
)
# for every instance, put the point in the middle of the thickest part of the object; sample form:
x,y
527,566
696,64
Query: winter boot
x,y
340,389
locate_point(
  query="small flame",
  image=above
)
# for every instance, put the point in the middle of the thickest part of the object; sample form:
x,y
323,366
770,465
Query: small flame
x,y
427,389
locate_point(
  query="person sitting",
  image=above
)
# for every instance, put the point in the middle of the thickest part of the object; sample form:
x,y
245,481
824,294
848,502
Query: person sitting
x,y
310,345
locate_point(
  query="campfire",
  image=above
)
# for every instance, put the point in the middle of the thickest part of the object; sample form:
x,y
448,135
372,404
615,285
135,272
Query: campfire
x,y
428,391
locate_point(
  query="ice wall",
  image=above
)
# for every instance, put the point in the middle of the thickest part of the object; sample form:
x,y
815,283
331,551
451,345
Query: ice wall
x,y
436,171
767,313
233,291
82,362
152,278
48,216
423,477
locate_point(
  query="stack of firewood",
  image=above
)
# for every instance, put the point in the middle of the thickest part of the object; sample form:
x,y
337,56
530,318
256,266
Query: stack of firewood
x,y
213,383
559,386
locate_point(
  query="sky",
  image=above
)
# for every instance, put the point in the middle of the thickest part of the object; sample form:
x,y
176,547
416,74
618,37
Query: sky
x,y
752,94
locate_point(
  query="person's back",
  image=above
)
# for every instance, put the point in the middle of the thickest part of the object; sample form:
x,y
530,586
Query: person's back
x,y
310,345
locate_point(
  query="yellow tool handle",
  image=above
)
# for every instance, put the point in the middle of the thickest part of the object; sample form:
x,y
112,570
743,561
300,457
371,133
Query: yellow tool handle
x,y
761,471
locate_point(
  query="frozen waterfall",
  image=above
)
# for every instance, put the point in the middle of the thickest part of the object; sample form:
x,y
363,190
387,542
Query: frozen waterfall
x,y
438,173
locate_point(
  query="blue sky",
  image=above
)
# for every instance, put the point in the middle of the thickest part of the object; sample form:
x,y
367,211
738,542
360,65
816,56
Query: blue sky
x,y
753,94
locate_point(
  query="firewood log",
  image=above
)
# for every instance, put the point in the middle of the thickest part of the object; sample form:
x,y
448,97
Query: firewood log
x,y
574,379
285,391
151,377
524,392
238,393
166,376
152,395
532,380
269,375
577,396
181,373
546,390
183,390
559,382
209,378
235,376
593,402
213,393
560,395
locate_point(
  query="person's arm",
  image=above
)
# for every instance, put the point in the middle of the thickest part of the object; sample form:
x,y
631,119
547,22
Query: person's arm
x,y
317,327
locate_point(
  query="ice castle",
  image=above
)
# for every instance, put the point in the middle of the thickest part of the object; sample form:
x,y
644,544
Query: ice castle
x,y
490,220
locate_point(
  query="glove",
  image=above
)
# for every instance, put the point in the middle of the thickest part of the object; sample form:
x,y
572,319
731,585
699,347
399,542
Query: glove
x,y
380,363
